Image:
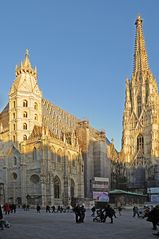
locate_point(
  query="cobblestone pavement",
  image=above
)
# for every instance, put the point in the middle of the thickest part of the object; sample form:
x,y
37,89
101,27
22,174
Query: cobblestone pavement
x,y
30,225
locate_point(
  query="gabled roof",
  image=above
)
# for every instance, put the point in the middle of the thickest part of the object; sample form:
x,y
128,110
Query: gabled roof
x,y
6,108
118,191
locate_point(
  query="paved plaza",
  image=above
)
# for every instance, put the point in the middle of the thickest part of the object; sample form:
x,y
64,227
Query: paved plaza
x,y
30,225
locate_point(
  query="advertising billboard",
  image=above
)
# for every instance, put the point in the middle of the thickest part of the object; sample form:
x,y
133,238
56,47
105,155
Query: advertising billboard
x,y
101,196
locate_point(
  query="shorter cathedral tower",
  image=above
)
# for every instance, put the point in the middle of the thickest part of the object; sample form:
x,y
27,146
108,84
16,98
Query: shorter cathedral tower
x,y
25,97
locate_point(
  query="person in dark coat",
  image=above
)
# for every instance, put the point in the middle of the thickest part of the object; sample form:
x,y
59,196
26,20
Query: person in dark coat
x,y
153,217
77,213
82,213
1,219
38,208
109,212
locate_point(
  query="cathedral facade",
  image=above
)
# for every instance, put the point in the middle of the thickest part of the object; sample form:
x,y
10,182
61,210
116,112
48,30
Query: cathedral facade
x,y
140,137
47,155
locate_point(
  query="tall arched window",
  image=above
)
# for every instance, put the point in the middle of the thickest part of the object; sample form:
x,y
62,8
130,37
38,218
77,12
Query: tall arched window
x,y
139,105
25,103
59,156
57,187
147,90
15,161
140,143
25,126
36,117
73,160
14,138
35,106
34,154
25,114
24,137
14,104
53,155
72,188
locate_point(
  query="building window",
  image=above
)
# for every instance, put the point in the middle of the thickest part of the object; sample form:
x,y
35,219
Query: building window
x,y
82,168
73,160
34,154
13,115
140,143
13,126
14,138
25,103
13,104
57,187
14,176
147,90
25,126
35,179
72,188
24,137
59,156
36,117
35,106
25,114
139,105
15,161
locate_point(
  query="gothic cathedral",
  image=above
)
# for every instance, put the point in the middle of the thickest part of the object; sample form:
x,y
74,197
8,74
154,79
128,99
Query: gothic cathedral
x,y
47,155
140,137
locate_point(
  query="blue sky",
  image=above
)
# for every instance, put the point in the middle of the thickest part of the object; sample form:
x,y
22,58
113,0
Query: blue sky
x,y
83,50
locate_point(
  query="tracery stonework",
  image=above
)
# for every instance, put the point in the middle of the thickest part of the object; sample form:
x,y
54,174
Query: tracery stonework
x,y
39,140
140,144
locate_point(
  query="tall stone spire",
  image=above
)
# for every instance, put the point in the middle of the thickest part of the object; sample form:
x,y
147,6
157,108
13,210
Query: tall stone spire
x,y
26,59
140,55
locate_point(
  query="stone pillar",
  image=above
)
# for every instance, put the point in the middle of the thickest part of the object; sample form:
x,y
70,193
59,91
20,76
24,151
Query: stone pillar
x,y
52,189
43,190
24,190
65,194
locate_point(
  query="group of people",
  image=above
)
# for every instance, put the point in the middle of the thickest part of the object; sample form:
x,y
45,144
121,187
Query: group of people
x,y
3,223
152,216
26,207
103,213
79,213
59,208
9,208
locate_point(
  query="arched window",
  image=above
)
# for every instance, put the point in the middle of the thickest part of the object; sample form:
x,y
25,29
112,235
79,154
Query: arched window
x,y
53,155
36,117
15,161
14,138
13,115
25,103
13,126
73,160
57,187
25,114
34,154
35,106
72,188
25,126
69,156
35,179
24,137
140,143
139,105
14,104
59,156
147,90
